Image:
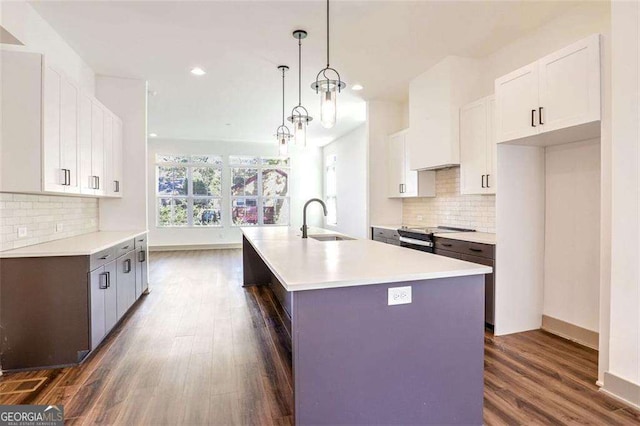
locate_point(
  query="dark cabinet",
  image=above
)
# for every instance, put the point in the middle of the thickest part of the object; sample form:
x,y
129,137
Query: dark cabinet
x,y
385,235
142,281
483,254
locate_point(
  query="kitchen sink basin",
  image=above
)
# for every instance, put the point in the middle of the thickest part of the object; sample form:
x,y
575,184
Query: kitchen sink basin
x,y
330,237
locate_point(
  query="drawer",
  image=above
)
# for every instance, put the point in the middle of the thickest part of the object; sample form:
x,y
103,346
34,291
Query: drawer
x,y
141,241
465,247
379,238
393,242
125,247
103,257
386,233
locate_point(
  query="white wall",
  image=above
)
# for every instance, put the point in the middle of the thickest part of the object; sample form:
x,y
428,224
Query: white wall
x,y
572,233
622,374
383,119
127,98
21,20
305,183
351,174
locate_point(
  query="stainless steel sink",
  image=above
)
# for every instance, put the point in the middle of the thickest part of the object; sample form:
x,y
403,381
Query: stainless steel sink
x,y
330,237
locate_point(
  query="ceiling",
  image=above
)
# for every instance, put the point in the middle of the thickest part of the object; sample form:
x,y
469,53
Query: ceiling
x,y
379,44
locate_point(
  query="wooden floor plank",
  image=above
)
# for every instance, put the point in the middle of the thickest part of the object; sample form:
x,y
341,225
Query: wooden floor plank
x,y
201,349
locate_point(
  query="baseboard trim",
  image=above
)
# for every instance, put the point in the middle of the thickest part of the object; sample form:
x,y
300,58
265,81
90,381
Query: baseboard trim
x,y
571,332
623,390
182,247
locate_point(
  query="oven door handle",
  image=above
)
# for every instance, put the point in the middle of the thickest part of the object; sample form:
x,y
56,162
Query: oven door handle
x,y
416,242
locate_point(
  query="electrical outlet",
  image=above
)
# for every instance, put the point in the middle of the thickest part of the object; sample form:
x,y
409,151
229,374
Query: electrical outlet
x,y
93,222
399,295
59,227
419,217
22,232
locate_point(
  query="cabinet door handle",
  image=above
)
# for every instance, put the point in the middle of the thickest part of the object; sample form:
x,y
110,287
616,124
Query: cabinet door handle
x,y
103,282
533,118
488,186
540,116
108,279
142,256
98,182
117,185
482,180
127,266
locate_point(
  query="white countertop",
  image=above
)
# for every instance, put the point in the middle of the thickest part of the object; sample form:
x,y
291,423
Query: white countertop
x,y
81,245
309,264
472,237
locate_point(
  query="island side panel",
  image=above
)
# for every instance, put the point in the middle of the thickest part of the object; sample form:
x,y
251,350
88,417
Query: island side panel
x,y
254,270
44,311
358,360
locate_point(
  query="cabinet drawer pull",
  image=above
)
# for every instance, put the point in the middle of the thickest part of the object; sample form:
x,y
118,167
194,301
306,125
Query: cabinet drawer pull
x,y
540,116
125,247
105,257
533,118
103,283
475,249
446,244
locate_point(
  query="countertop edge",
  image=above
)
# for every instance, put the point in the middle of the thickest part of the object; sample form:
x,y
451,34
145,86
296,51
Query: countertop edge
x,y
9,255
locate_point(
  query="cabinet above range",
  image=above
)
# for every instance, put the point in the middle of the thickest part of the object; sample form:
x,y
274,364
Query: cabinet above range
x,y
553,100
56,138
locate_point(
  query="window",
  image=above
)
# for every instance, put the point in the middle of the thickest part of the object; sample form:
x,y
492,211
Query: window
x,y
331,190
259,191
189,190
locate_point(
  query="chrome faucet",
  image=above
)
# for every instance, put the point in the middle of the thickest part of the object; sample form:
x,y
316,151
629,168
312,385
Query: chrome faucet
x,y
304,214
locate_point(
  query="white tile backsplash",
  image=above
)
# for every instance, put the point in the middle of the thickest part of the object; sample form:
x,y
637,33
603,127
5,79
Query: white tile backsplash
x,y
40,214
451,208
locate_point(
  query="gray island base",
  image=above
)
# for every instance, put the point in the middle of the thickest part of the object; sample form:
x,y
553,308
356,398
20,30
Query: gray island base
x,y
358,360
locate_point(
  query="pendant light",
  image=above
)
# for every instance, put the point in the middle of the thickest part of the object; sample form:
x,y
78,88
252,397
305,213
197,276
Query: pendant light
x,y
327,87
282,133
299,115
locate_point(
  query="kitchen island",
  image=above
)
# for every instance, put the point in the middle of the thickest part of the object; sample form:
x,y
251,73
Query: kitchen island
x,y
380,334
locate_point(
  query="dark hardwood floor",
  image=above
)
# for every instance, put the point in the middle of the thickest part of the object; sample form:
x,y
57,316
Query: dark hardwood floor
x,y
200,349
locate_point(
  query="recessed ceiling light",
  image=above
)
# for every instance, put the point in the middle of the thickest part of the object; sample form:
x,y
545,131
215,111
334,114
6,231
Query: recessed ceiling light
x,y
198,71
153,135
357,87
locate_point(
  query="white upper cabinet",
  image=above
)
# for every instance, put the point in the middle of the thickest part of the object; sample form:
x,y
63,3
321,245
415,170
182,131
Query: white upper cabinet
x,y
113,155
570,85
402,181
478,148
435,98
517,95
52,132
553,100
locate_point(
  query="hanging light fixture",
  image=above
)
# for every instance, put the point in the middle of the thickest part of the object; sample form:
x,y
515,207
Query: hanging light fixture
x,y
327,87
299,114
282,133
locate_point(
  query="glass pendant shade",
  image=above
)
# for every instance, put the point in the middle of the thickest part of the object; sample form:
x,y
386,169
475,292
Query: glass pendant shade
x,y
283,146
300,132
328,109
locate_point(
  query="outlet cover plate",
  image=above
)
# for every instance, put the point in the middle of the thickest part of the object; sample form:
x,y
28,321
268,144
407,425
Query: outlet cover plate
x,y
59,227
399,295
22,232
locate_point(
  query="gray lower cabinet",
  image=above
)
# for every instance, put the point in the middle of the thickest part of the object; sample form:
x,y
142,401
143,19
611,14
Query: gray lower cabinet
x,y
142,281
385,235
125,282
483,254
102,292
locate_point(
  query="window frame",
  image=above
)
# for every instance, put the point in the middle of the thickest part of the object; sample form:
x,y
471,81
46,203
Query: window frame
x,y
260,167
189,197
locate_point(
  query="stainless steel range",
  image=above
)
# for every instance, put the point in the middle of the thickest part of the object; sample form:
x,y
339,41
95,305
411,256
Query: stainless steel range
x,y
422,238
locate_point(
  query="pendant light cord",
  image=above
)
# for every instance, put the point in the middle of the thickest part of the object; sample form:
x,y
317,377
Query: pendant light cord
x,y
283,96
327,33
299,72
